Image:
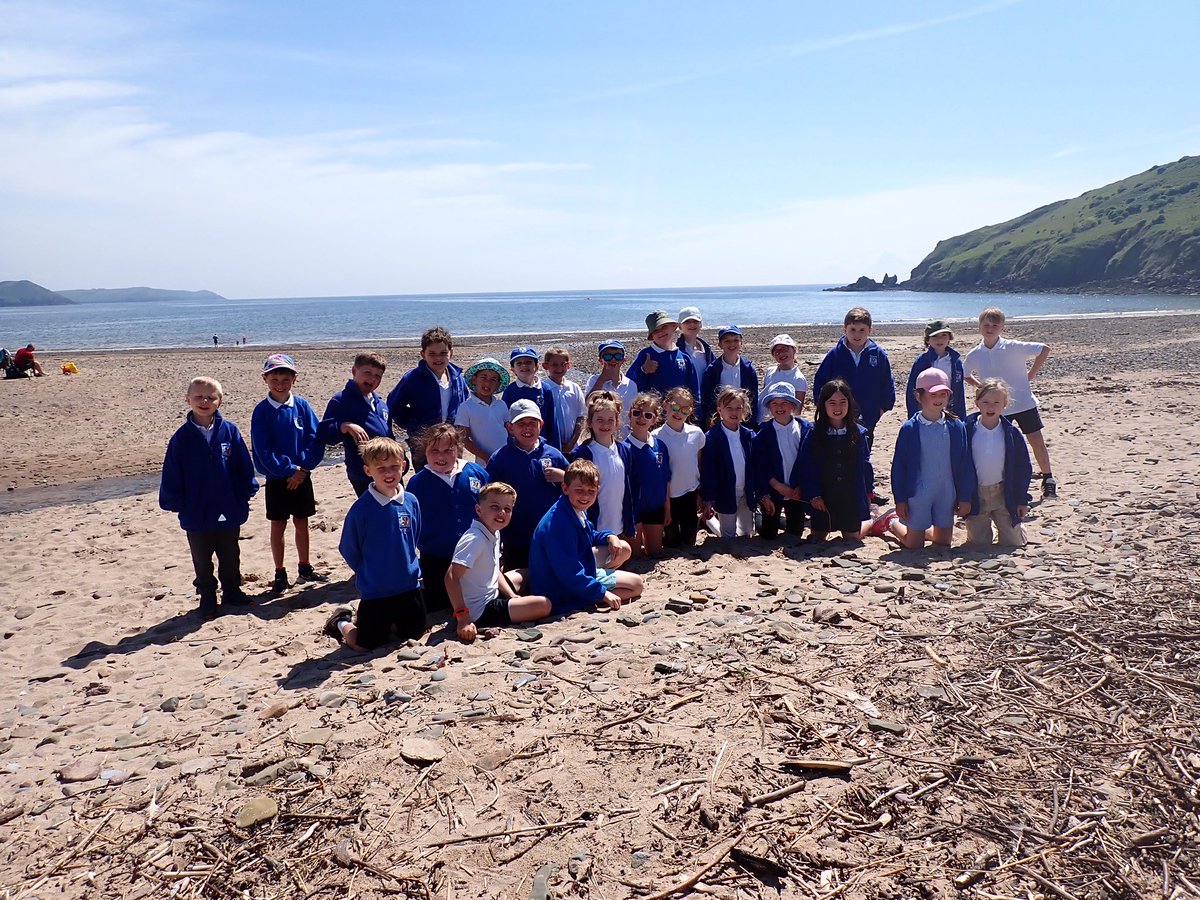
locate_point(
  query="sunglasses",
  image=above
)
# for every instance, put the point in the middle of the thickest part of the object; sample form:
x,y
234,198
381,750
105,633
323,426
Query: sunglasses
x,y
675,407
644,413
612,357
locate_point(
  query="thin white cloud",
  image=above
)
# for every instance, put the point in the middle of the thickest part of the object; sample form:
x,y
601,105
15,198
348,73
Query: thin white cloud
x,y
46,93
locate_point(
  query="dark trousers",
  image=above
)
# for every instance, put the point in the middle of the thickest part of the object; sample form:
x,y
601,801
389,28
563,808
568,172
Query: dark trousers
x,y
792,510
224,543
433,583
684,522
360,487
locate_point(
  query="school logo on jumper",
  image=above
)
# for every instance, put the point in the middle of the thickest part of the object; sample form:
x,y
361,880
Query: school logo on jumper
x,y
404,520
299,425
226,450
873,360
658,456
680,362
476,484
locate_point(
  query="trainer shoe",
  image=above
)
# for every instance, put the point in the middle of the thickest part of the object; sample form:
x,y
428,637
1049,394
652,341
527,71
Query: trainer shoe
x,y
880,499
307,573
1049,486
236,598
341,614
880,526
208,606
281,583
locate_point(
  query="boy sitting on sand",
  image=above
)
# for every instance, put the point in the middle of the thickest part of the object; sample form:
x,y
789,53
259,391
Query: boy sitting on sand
x,y
208,479
482,595
379,543
356,414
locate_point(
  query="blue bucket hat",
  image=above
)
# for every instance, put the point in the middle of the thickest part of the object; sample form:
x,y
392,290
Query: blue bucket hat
x,y
492,366
780,390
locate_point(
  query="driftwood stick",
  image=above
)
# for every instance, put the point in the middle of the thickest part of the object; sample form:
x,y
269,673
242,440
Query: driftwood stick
x,y
692,879
505,832
772,796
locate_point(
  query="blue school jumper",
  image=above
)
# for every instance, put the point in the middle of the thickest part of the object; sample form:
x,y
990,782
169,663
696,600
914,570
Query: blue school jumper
x,y
285,439
906,462
416,400
209,483
561,563
870,380
717,478
675,369
649,474
544,398
535,495
710,383
629,516
958,395
350,405
768,463
812,468
451,510
379,543
1018,471
709,356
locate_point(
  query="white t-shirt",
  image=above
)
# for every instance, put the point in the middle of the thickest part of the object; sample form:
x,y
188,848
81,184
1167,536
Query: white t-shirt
x,y
987,449
626,390
1007,361
788,437
611,499
698,355
946,365
444,390
734,439
479,550
731,375
684,447
485,422
569,406
776,375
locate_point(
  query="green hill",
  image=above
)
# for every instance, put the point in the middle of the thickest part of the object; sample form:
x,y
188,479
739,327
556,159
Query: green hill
x,y
1138,235
135,295
26,293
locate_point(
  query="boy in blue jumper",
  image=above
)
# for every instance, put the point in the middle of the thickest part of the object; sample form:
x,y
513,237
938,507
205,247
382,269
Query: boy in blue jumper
x,y
730,368
662,365
283,437
535,470
379,543
527,386
356,414
208,478
429,393
563,564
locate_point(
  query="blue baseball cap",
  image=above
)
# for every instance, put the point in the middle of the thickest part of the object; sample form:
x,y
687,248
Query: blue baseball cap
x,y
728,329
522,353
611,344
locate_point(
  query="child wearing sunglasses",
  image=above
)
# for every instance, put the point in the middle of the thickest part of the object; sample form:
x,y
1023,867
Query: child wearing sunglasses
x,y
683,442
611,378
649,475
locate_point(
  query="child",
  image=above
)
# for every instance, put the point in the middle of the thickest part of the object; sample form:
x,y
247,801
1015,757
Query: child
x,y
482,419
662,365
933,475
649,475
785,370
208,479
483,596
731,369
1002,470
527,386
283,436
447,489
610,378
534,469
563,565
357,414
683,442
777,450
429,393
690,324
614,510
998,357
379,543
835,466
569,405
726,474
938,353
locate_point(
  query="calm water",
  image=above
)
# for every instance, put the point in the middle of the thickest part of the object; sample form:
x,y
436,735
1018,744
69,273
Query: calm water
x,y
339,320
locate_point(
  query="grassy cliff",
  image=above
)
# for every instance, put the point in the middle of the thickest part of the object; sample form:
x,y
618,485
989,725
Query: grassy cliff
x,y
26,293
1141,234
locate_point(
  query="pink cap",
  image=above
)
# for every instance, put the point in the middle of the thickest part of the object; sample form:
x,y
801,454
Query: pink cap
x,y
933,380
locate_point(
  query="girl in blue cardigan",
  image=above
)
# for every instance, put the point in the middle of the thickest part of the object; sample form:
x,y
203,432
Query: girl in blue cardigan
x,y
726,470
1002,469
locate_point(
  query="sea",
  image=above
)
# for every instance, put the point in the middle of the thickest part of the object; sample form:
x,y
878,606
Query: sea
x,y
313,321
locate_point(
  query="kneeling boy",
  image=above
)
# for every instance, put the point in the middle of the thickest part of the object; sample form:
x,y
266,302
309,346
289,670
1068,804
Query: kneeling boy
x,y
479,592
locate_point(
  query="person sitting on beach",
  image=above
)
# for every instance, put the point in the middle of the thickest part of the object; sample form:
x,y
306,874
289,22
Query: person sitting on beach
x,y
691,322
429,393
447,489
527,386
482,596
572,562
662,365
1002,470
379,543
208,479
730,369
283,438
835,467
938,353
26,363
610,378
569,404
482,419
534,469
785,371
356,414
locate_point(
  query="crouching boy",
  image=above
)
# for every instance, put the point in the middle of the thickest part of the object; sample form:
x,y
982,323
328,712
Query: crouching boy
x,y
563,563
379,543
480,593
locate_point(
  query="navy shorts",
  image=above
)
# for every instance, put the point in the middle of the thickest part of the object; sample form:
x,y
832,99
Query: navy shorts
x,y
656,516
495,614
377,616
1029,421
283,504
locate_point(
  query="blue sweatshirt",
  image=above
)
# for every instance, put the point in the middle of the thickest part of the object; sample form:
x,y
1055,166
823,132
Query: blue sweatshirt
x,y
768,463
544,398
451,509
812,465
649,474
285,439
416,400
675,369
629,518
710,383
906,461
561,563
870,380
958,395
525,472
717,485
379,543
208,482
351,405
1018,471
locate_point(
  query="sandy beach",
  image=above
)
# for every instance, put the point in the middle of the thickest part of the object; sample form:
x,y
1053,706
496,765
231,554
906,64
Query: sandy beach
x,y
769,720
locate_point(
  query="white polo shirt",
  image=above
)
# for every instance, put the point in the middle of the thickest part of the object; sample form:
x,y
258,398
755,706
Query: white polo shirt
x,y
479,550
1008,361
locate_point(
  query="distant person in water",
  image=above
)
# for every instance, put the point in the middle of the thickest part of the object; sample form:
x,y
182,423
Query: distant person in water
x,y
215,341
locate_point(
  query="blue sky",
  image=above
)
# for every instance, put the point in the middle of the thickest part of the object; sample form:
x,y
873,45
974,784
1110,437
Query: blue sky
x,y
304,149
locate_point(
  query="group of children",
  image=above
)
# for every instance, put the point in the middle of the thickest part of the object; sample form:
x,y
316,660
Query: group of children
x,y
529,494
